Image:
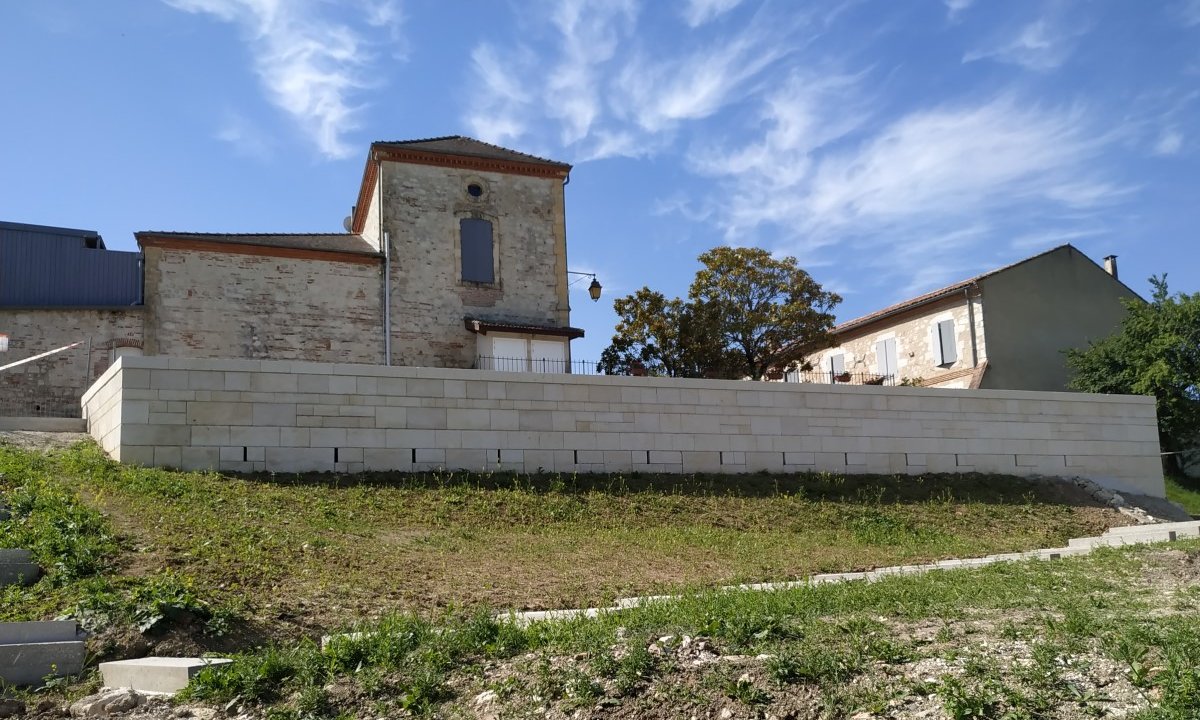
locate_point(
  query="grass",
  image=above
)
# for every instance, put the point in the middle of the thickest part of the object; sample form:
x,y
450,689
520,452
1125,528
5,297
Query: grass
x,y
843,647
321,551
1185,492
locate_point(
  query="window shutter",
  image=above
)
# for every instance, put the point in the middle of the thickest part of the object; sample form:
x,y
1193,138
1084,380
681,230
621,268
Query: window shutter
x,y
475,243
837,364
893,362
881,357
946,342
935,343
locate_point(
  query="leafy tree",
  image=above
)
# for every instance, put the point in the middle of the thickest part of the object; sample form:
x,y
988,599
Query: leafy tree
x,y
663,337
1156,352
746,313
765,306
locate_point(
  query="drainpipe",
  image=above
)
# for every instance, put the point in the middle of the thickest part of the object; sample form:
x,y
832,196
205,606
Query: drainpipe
x,y
971,322
387,271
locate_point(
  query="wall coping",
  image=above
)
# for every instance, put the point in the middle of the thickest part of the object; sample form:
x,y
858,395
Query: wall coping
x,y
162,362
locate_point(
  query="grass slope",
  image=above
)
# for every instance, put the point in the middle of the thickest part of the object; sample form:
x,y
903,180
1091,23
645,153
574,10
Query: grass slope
x,y
324,550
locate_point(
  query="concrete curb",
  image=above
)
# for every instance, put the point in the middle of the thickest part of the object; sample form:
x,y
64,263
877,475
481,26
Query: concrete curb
x,y
1133,534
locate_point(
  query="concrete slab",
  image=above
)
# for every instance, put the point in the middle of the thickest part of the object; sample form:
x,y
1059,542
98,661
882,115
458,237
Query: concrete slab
x,y
44,424
31,663
19,633
13,555
19,574
158,675
1185,529
1127,539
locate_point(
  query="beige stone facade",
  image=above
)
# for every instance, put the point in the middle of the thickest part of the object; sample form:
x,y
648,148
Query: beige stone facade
x,y
53,385
1006,329
248,415
204,303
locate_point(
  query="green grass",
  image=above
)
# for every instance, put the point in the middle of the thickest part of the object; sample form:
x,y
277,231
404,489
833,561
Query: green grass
x,y
831,639
335,548
1185,492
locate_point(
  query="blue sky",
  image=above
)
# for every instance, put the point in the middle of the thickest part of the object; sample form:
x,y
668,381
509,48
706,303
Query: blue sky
x,y
891,146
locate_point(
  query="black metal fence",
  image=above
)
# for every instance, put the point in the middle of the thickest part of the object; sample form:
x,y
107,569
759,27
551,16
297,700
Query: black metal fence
x,y
831,378
536,365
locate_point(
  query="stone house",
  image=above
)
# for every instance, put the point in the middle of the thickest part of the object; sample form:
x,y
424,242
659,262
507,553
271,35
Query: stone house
x,y
1006,329
454,256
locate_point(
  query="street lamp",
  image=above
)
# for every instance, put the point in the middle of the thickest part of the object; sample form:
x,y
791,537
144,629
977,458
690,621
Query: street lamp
x,y
593,289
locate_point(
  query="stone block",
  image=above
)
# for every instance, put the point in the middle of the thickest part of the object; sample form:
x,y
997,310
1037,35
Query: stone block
x,y
156,435
155,675
43,631
28,664
168,456
14,555
275,414
431,418
430,456
19,573
220,413
387,459
199,458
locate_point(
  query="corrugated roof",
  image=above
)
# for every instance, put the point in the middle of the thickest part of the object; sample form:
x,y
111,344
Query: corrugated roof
x,y
470,147
328,242
476,325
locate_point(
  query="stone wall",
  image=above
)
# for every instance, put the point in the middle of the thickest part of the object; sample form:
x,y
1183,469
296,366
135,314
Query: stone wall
x,y
245,415
53,385
914,346
422,207
229,304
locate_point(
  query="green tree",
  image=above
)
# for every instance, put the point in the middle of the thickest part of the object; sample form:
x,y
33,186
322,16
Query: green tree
x,y
746,313
1155,352
766,306
663,337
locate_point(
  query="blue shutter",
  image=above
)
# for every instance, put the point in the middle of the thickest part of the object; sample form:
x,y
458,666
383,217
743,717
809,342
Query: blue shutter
x,y
476,247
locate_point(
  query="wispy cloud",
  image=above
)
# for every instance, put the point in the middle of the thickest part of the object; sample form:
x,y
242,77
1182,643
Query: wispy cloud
x,y
311,66
699,12
931,180
1041,45
602,93
1170,142
954,7
246,138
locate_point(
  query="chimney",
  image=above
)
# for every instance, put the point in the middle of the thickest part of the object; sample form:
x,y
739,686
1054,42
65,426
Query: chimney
x,y
1110,266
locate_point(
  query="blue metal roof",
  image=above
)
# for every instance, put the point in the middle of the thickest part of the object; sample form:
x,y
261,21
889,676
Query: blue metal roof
x,y
42,265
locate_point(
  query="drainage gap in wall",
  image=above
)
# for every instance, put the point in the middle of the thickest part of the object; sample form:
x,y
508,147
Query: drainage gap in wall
x,y
722,454
244,453
497,456
576,457
647,457
335,454
414,454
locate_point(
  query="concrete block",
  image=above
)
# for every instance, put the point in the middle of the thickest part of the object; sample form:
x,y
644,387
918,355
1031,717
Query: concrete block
x,y
220,413
430,418
30,663
14,555
44,631
19,574
199,458
379,459
168,456
155,675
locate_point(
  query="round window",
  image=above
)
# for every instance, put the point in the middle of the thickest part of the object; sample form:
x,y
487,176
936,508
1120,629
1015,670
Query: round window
x,y
475,190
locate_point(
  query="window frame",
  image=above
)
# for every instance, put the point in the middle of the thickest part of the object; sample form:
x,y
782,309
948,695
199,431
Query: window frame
x,y
459,219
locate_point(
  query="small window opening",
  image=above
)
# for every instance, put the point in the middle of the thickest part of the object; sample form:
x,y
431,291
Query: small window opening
x,y
476,245
475,190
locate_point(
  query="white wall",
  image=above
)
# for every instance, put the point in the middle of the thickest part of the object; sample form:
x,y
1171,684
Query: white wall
x,y
248,415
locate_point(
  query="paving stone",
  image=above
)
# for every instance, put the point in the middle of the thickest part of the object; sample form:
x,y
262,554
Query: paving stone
x,y
19,573
13,555
159,675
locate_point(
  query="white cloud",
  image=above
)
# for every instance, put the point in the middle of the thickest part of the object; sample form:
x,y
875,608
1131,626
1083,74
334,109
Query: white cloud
x,y
699,12
931,180
1170,142
601,93
954,7
310,66
1041,45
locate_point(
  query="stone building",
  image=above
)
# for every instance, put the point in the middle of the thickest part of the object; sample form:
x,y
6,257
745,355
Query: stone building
x,y
1006,329
454,256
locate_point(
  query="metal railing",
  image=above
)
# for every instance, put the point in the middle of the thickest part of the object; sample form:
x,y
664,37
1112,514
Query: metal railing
x,y
536,365
831,378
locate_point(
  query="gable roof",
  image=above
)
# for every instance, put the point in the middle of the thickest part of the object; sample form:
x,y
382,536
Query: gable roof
x,y
452,151
954,289
467,147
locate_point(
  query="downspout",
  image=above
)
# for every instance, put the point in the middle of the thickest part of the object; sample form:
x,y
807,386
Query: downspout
x,y
387,274
971,322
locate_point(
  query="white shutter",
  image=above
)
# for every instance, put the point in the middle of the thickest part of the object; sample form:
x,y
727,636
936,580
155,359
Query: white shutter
x,y
935,343
947,343
548,356
510,355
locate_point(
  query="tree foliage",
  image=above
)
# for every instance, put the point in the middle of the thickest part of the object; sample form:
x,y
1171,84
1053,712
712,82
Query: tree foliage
x,y
747,312
1155,352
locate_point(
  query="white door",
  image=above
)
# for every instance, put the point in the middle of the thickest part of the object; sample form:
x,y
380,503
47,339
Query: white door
x,y
510,355
548,356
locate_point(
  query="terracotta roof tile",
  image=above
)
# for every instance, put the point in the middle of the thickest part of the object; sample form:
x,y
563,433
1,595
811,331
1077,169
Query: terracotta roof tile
x,y
327,242
470,147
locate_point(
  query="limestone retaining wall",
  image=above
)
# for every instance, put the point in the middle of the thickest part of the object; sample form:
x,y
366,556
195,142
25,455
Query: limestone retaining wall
x,y
250,415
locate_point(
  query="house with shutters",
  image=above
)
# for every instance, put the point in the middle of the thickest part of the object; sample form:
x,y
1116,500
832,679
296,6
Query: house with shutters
x,y
1005,329
454,255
